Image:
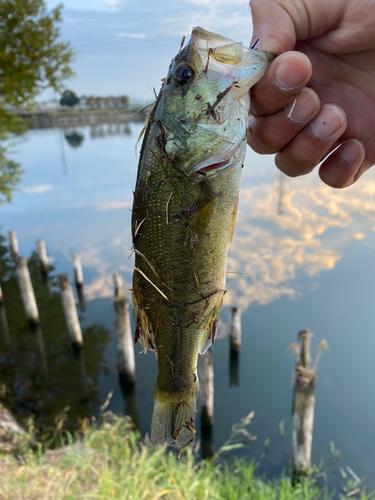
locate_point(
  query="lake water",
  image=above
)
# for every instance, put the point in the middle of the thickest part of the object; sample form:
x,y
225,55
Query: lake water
x,y
302,257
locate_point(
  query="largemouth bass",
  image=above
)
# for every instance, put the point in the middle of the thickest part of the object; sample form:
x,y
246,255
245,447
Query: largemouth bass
x,y
183,217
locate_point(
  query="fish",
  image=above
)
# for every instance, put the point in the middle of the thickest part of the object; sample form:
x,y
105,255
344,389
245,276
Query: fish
x,y
184,210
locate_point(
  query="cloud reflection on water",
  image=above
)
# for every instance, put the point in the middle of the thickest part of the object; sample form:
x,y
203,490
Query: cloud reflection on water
x,y
270,249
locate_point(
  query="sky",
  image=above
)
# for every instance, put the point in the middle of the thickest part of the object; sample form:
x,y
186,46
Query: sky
x,y
125,46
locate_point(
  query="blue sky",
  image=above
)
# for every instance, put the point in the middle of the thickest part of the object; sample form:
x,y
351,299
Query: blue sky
x,y
125,46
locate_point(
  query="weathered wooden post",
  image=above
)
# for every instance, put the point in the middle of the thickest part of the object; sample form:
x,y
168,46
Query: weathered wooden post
x,y
42,254
125,348
78,278
303,406
70,312
78,274
27,292
13,245
4,328
235,330
206,388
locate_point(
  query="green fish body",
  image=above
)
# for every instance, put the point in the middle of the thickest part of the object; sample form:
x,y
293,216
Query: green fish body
x,y
183,216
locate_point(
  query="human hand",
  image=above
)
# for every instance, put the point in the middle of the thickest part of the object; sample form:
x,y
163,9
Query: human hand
x,y
332,78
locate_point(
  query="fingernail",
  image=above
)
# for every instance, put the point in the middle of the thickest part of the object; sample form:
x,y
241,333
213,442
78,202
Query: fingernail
x,y
328,122
303,107
290,74
351,151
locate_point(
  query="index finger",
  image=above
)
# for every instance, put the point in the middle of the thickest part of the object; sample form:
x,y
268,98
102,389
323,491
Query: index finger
x,y
287,75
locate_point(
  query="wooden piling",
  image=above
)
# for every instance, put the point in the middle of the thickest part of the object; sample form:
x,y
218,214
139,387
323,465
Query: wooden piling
x,y
70,311
13,245
78,274
42,254
235,330
125,347
119,287
303,407
206,387
27,292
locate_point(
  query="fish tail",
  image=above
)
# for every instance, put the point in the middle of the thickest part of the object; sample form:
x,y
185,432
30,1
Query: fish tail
x,y
173,416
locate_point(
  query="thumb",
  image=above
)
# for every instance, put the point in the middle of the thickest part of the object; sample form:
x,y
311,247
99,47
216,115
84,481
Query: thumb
x,y
278,24
272,26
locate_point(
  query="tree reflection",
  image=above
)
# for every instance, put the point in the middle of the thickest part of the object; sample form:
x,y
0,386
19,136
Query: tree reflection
x,y
40,371
74,139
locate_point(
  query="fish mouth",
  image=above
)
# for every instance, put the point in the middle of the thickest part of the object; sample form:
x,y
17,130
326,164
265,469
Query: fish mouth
x,y
222,160
214,166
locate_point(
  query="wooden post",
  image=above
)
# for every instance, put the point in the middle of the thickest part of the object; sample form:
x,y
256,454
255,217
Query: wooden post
x,y
4,328
13,245
235,330
125,348
119,287
78,274
303,407
206,388
70,311
42,254
27,292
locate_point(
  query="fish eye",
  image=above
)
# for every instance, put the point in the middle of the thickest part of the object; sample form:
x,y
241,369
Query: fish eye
x,y
184,75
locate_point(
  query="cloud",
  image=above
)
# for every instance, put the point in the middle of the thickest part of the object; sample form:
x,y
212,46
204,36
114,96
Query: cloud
x,y
113,205
132,35
38,189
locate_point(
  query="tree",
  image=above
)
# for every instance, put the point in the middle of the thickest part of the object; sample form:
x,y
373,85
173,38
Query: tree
x,y
32,58
69,98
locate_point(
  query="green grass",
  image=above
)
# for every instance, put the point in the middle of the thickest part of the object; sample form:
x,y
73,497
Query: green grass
x,y
111,462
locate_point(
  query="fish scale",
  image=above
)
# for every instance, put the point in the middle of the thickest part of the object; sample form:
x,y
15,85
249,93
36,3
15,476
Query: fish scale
x,y
183,216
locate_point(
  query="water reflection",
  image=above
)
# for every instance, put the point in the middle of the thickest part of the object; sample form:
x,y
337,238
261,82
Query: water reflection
x,y
277,235
74,139
108,130
41,372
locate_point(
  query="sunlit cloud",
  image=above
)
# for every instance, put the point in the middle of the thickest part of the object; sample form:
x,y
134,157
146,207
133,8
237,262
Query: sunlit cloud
x,y
113,205
132,35
37,189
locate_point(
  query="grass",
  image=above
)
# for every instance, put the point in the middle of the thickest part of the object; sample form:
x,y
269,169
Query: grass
x,y
111,462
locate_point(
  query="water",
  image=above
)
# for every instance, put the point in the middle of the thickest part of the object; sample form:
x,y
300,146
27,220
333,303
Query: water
x,y
301,257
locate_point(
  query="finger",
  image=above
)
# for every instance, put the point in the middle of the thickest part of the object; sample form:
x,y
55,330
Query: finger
x,y
345,165
270,133
286,77
306,150
273,26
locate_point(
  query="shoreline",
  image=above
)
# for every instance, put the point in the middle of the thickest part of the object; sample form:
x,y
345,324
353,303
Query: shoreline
x,y
79,118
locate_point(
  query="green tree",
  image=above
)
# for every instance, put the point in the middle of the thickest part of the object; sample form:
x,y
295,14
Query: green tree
x,y
69,98
32,58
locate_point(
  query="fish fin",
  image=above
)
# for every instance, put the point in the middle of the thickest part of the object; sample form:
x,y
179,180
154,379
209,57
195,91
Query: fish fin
x,y
143,330
233,221
199,220
209,325
173,416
